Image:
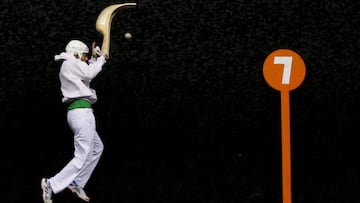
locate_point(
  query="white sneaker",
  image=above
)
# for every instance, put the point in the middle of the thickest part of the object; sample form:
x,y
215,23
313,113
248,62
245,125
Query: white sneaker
x,y
47,191
78,191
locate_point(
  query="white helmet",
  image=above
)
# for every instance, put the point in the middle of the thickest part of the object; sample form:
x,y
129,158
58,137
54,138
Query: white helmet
x,y
76,47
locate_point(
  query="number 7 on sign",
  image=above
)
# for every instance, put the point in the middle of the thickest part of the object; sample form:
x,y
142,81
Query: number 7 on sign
x,y
284,70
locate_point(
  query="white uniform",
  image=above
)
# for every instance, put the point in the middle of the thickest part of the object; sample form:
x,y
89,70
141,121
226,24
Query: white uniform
x,y
75,77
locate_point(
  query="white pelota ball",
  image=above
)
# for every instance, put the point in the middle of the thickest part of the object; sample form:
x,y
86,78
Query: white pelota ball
x,y
128,35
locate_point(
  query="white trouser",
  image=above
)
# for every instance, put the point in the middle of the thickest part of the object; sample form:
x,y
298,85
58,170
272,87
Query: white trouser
x,y
88,149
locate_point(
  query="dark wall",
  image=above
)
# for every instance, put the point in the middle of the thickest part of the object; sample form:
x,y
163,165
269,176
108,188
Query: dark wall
x,y
184,111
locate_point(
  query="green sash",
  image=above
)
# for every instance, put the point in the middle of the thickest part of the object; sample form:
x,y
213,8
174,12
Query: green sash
x,y
79,103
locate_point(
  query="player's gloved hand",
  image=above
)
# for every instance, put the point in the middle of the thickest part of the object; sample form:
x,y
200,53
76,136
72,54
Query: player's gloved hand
x,y
96,51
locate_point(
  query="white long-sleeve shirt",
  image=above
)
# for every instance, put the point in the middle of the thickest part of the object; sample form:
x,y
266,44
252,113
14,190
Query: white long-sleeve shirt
x,y
75,77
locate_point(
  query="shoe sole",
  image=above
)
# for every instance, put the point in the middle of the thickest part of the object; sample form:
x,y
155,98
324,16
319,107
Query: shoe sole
x,y
43,186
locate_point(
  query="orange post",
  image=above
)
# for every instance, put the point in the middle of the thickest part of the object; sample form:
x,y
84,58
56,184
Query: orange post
x,y
284,70
286,146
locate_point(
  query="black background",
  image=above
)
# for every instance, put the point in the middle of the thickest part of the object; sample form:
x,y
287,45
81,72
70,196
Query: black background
x,y
184,111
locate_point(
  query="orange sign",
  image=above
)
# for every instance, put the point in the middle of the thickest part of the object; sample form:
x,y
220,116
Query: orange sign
x,y
284,70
